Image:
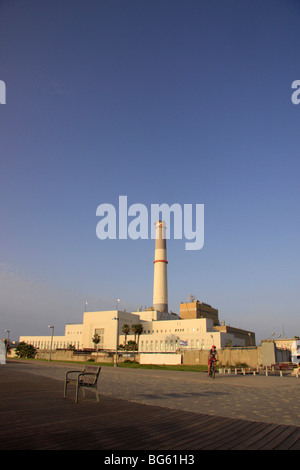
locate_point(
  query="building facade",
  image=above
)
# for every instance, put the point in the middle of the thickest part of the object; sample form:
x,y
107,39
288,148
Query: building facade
x,y
162,332
196,309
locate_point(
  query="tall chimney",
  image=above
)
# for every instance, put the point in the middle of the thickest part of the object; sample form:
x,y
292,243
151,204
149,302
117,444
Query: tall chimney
x,y
160,284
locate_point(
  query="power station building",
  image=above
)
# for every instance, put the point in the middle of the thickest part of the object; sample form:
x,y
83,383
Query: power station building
x,y
197,326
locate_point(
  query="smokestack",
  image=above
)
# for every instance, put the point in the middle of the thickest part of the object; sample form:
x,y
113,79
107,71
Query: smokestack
x,y
160,284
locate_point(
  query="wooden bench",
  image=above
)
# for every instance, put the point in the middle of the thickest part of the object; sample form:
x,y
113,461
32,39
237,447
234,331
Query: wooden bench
x,y
86,379
245,370
285,367
280,368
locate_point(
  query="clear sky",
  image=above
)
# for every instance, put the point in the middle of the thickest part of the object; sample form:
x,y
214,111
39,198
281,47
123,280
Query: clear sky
x,y
164,101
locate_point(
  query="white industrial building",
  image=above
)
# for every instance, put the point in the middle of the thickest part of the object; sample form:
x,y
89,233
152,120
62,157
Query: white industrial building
x,y
168,334
197,327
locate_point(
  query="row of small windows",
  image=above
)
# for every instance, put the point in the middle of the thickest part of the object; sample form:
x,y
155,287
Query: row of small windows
x,y
55,345
177,330
168,345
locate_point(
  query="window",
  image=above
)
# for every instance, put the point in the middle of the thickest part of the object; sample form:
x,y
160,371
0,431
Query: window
x,y
100,333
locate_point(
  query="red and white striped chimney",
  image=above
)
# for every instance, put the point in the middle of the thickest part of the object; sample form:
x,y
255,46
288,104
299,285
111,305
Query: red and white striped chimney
x,y
160,284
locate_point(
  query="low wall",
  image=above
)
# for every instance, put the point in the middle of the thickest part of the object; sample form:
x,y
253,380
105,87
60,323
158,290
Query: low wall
x,y
70,355
227,357
56,355
168,359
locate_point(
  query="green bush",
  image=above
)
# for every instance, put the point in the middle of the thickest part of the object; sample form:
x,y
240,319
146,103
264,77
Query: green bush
x,y
25,351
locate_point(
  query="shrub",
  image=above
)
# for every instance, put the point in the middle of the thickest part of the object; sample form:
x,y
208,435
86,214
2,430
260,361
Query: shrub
x,y
25,351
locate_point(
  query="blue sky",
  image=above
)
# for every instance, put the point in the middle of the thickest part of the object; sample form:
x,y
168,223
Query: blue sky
x,y
167,101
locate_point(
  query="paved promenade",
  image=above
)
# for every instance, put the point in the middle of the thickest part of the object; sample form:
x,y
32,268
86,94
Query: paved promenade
x,y
137,407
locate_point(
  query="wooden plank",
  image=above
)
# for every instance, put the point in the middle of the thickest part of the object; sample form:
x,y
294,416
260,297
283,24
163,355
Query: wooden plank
x,y
187,432
282,439
226,439
263,437
219,431
243,436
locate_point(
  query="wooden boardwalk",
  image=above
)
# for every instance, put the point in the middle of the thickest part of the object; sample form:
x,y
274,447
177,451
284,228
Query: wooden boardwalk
x,y
35,416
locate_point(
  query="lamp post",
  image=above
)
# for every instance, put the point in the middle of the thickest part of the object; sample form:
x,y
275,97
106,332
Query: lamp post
x,y
117,339
52,327
7,342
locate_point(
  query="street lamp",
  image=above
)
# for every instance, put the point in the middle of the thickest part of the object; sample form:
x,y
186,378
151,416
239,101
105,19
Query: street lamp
x,y
117,304
52,327
117,339
7,342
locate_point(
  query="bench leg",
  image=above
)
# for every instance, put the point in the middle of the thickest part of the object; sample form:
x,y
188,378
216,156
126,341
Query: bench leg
x,y
77,392
65,390
83,393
